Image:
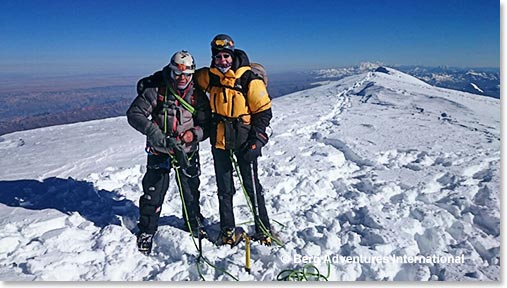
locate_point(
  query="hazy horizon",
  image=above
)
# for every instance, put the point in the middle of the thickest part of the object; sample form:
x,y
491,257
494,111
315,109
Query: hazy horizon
x,y
140,72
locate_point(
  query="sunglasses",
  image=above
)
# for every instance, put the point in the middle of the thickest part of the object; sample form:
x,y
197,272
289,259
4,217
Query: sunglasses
x,y
222,56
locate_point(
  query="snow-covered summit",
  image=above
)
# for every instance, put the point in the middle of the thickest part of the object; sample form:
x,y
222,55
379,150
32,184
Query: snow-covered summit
x,y
346,71
374,166
480,75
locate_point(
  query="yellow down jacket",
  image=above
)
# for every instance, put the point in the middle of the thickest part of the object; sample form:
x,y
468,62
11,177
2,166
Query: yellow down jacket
x,y
227,101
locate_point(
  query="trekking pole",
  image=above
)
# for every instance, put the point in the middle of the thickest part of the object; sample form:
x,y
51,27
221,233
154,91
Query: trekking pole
x,y
247,252
256,206
263,228
198,246
199,236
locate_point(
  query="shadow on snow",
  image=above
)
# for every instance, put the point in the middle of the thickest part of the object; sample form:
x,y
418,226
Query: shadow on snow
x,y
101,207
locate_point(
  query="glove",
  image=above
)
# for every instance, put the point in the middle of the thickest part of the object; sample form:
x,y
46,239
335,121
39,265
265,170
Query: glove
x,y
252,151
254,146
161,143
155,136
179,153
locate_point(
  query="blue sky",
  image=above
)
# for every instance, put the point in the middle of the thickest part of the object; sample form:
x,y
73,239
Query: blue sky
x,y
140,36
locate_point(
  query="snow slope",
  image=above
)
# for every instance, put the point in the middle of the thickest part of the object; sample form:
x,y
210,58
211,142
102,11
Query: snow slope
x,y
373,165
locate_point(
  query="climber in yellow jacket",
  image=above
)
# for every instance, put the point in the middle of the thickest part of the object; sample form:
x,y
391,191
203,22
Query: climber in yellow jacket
x,y
241,112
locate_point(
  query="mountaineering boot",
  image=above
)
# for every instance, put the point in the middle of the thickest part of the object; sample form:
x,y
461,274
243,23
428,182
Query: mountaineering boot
x,y
263,239
228,236
232,236
199,233
201,218
144,242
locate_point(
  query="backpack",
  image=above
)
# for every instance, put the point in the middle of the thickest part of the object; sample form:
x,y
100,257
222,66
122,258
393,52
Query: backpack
x,y
260,71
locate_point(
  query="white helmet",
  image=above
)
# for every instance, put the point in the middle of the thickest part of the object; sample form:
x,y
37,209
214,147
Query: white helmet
x,y
182,62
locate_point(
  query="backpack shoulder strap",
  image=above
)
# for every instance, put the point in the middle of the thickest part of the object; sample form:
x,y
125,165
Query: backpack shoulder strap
x,y
161,101
187,106
214,80
244,82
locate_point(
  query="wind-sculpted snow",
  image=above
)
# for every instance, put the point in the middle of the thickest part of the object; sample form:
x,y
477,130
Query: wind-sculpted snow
x,y
374,166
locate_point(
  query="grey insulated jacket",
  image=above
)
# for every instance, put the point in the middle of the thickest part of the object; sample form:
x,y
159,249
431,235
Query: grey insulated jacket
x,y
151,104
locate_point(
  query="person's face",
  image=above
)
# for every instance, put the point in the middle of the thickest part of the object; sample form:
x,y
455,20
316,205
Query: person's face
x,y
223,59
182,79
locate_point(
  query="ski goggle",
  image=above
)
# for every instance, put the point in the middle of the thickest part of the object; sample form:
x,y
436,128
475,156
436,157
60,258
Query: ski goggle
x,y
179,68
220,43
178,73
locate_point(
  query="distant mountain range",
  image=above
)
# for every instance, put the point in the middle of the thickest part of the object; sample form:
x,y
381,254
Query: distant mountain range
x,y
30,109
481,81
36,104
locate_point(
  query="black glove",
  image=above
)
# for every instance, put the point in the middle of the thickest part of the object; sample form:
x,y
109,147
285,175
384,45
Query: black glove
x,y
171,143
161,143
254,145
155,136
179,153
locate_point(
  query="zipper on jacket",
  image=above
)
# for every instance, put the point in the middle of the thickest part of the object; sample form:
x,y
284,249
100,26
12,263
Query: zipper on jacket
x,y
232,104
215,96
225,94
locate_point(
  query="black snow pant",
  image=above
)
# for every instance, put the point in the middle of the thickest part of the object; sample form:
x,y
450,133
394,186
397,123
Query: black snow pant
x,y
223,173
155,185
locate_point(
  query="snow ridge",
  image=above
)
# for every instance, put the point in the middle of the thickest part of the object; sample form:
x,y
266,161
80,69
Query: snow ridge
x,y
374,165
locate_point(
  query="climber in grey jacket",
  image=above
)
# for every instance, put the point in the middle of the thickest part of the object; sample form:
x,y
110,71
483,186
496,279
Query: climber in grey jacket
x,y
174,117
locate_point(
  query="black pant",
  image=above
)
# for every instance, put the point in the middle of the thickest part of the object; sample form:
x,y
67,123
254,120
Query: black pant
x,y
155,185
223,172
